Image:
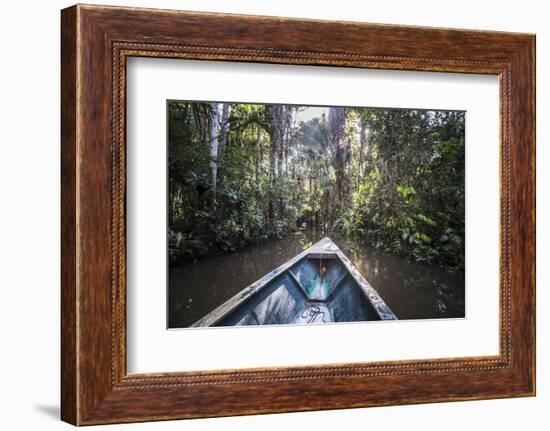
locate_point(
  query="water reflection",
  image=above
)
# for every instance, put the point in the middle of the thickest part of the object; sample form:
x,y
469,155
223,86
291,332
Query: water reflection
x,y
412,290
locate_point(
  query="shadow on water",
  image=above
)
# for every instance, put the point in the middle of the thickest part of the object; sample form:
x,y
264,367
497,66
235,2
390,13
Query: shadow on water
x,y
412,290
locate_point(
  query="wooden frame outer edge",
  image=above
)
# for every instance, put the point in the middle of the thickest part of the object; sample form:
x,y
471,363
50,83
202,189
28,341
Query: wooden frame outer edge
x,y
121,51
69,208
79,408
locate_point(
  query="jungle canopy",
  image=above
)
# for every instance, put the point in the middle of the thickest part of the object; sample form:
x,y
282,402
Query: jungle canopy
x,y
240,174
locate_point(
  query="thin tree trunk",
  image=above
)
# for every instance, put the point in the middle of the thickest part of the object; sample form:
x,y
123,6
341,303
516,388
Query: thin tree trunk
x,y
362,145
259,153
287,126
222,140
214,142
341,147
276,134
224,127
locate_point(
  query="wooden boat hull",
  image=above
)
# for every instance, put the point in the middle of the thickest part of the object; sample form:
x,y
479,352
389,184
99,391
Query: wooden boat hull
x,y
319,285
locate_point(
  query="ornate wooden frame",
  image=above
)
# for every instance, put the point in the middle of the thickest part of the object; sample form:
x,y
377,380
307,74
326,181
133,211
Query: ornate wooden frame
x,y
95,43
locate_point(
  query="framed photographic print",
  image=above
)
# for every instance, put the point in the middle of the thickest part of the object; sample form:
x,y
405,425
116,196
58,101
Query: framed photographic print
x,y
335,214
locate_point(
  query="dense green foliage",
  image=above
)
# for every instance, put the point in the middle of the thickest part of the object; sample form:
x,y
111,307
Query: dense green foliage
x,y
410,197
242,173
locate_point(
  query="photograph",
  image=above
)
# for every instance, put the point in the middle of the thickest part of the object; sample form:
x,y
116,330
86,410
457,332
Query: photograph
x,y
286,214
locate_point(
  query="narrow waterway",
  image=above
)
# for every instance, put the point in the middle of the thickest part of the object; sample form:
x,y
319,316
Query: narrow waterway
x,y
412,290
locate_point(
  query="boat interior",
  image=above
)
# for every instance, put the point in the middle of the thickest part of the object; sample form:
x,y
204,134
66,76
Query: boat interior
x,y
316,289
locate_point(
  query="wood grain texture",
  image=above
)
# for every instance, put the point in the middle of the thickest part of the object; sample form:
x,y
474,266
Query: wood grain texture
x,y
69,397
96,41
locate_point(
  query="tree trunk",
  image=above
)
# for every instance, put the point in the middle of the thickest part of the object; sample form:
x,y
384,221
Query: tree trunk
x,y
259,153
275,115
214,142
224,127
341,147
362,145
222,140
287,132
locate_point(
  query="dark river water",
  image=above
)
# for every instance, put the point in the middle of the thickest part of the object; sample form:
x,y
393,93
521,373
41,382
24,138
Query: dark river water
x,y
412,290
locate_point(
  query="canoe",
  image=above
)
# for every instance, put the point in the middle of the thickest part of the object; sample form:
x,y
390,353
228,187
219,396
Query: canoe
x,y
319,285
